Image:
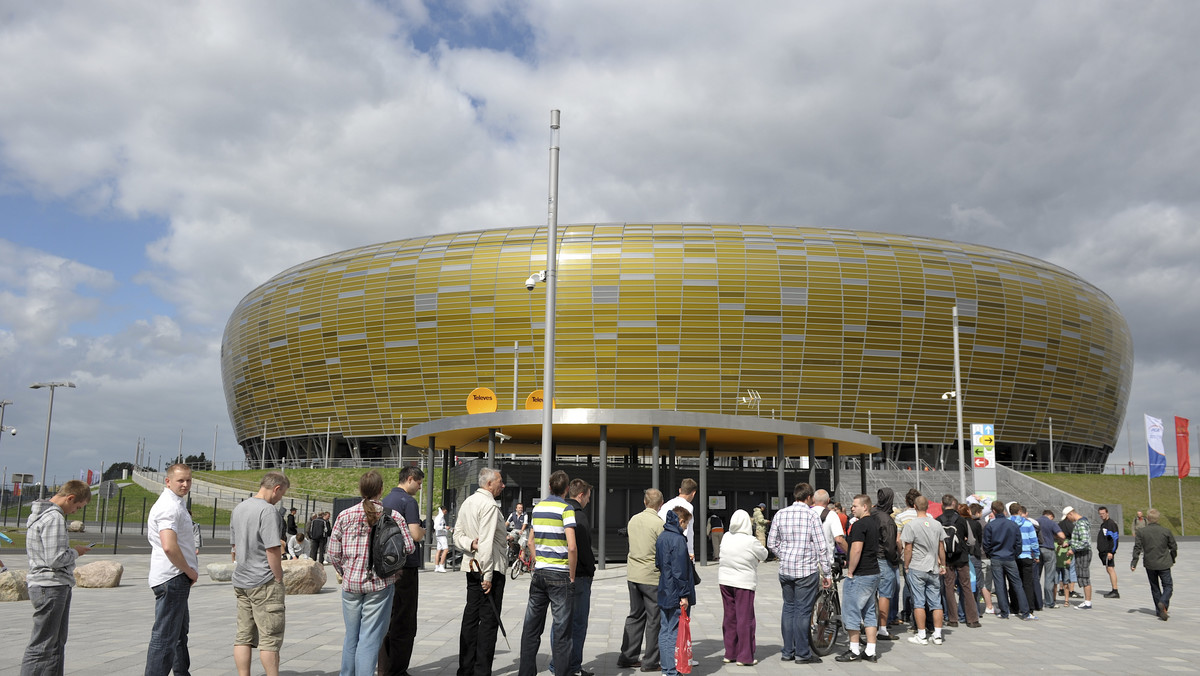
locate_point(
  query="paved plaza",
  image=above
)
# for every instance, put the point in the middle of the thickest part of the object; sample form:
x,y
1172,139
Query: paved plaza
x,y
110,628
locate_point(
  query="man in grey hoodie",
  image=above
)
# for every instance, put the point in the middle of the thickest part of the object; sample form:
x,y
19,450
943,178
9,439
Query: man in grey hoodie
x,y
51,576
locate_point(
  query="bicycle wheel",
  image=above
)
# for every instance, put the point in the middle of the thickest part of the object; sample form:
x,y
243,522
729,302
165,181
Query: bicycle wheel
x,y
826,623
514,571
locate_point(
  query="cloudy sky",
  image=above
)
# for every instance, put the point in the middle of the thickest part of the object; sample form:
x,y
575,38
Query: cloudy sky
x,y
158,160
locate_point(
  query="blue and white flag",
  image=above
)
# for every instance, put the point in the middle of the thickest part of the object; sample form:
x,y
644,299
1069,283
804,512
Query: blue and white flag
x,y
1154,445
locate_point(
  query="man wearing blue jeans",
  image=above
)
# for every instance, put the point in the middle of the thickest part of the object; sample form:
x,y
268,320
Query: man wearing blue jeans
x,y
797,539
173,565
552,542
579,494
862,583
1002,542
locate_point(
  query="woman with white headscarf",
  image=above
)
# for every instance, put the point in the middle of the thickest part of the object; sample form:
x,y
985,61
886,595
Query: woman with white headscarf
x,y
741,553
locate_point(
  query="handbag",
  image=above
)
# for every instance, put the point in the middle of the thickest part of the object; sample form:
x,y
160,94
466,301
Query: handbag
x,y
695,575
683,644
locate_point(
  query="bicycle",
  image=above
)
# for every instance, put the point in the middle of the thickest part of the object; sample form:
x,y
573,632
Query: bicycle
x,y
520,564
826,627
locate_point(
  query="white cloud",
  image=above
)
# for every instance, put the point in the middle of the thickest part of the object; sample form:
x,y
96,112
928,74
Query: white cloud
x,y
266,134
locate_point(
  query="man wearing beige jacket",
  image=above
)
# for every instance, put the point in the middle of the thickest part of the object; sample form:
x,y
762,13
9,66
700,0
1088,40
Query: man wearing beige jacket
x,y
480,534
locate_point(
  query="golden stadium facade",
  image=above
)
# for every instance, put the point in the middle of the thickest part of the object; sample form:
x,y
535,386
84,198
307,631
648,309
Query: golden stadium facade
x,y
839,328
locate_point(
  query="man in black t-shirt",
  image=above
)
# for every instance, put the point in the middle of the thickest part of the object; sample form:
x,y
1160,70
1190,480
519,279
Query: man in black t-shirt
x,y
396,649
1106,547
862,583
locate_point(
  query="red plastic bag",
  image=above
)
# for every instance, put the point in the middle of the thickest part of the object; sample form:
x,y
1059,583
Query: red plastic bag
x,y
683,644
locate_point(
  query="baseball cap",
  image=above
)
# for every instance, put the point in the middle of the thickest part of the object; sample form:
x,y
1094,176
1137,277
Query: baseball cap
x,y
762,504
1067,510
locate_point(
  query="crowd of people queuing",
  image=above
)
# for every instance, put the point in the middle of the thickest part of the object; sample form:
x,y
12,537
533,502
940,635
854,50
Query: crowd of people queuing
x,y
929,565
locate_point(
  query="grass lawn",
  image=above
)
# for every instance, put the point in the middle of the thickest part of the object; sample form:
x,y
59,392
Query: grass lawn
x,y
342,482
133,513
1130,492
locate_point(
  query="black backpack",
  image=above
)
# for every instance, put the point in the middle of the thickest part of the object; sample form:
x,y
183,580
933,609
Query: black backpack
x,y
385,549
954,541
316,529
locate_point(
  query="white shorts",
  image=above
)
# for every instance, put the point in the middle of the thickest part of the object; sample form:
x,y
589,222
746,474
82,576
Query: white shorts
x,y
442,543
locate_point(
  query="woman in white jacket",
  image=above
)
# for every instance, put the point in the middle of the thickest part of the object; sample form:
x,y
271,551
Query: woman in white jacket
x,y
741,553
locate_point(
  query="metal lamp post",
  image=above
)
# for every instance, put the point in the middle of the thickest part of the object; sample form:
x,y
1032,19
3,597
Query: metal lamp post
x,y
550,277
958,404
49,413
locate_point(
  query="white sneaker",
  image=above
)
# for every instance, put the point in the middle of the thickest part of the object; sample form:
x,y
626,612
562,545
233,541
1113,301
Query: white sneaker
x,y
918,640
937,640
990,611
1086,605
439,569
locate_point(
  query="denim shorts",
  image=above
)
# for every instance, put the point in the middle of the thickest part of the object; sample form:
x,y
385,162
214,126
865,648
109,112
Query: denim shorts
x,y
887,579
858,601
925,588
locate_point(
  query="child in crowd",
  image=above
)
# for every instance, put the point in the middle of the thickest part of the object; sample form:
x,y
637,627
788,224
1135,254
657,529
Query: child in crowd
x,y
1062,564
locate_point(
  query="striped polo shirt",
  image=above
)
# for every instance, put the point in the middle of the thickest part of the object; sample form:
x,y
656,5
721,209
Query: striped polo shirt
x,y
551,519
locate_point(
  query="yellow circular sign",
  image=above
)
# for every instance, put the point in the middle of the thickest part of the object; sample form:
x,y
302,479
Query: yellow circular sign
x,y
534,401
481,400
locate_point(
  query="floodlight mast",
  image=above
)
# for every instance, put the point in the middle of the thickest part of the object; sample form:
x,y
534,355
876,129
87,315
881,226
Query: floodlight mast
x,y
49,414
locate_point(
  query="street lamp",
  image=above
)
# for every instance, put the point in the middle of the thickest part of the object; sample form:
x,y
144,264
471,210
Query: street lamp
x,y
46,450
946,396
5,428
958,430
550,277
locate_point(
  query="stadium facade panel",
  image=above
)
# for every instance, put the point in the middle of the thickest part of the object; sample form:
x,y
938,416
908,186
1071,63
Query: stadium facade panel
x,y
841,328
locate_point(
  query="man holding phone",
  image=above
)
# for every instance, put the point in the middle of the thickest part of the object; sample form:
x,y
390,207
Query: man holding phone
x,y
173,565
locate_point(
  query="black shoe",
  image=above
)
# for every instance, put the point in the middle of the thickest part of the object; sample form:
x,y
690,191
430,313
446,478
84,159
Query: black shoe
x,y
1114,594
631,665
951,624
849,657
1076,595
652,667
585,672
887,637
1162,612
784,658
870,658
811,659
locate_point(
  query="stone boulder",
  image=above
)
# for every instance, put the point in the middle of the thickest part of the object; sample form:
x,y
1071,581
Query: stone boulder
x,y
303,576
12,586
221,572
75,526
99,574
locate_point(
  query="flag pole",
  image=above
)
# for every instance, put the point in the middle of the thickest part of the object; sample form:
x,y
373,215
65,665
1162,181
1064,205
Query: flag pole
x,y
1149,493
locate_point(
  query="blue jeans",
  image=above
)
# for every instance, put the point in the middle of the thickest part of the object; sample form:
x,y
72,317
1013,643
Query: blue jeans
x,y
799,594
168,649
579,625
549,589
366,617
858,601
668,632
925,587
1004,573
1160,587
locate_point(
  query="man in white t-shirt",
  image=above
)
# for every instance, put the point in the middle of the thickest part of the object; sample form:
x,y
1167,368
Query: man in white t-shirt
x,y
832,523
687,493
173,565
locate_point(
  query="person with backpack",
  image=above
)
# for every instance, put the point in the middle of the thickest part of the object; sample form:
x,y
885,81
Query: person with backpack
x,y
957,575
318,534
366,539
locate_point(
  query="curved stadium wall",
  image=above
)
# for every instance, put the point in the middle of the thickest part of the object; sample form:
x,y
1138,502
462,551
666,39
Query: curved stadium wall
x,y
829,326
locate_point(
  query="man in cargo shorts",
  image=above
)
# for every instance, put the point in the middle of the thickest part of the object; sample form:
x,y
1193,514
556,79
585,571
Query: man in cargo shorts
x,y
254,530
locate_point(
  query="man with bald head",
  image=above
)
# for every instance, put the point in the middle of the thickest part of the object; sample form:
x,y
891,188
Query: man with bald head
x,y
835,536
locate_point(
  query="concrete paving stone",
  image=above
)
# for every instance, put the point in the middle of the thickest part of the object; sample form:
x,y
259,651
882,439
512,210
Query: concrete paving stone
x,y
110,629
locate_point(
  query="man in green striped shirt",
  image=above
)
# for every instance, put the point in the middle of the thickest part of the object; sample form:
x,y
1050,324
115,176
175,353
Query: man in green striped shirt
x,y
552,540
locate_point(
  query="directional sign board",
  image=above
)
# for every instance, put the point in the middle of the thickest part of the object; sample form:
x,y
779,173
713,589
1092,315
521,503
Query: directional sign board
x,y
983,458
